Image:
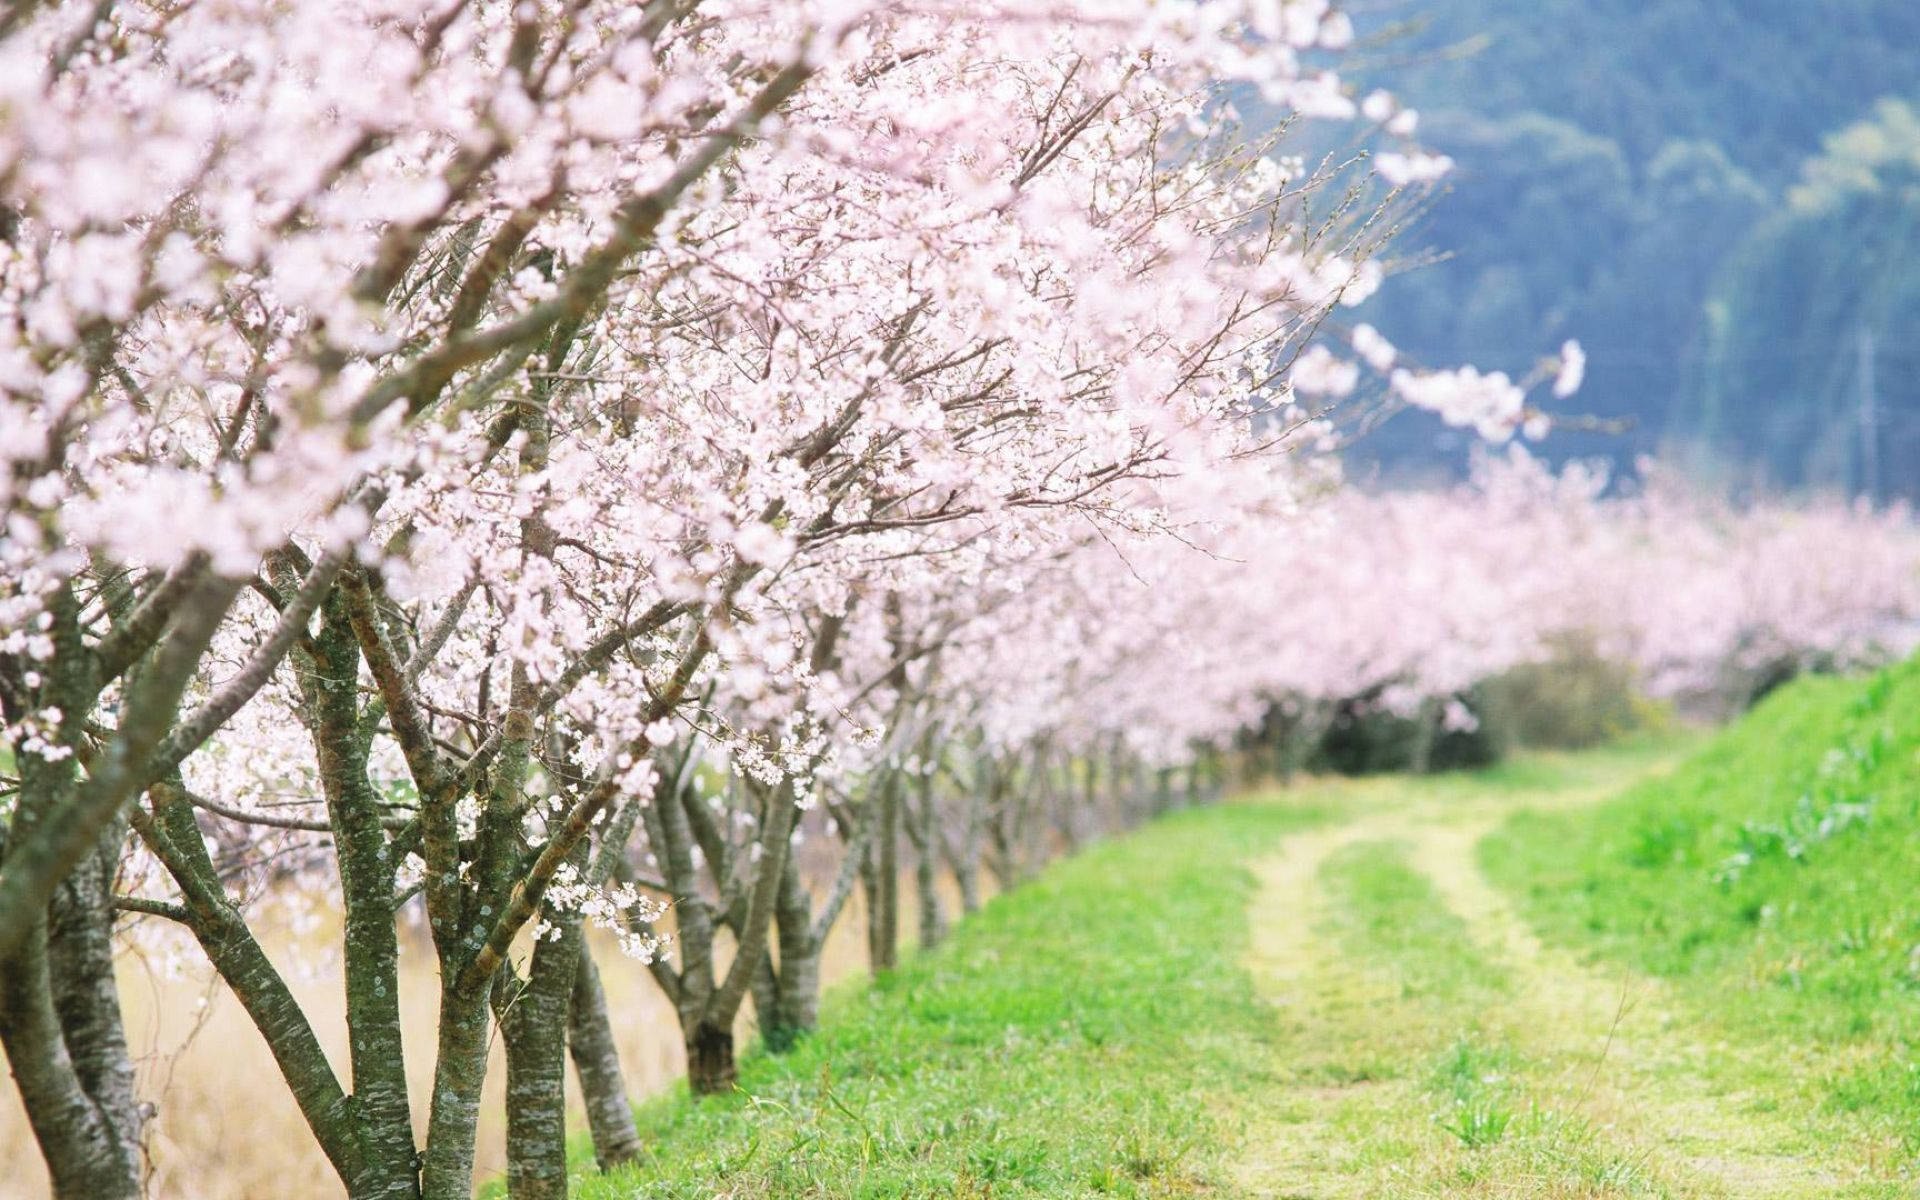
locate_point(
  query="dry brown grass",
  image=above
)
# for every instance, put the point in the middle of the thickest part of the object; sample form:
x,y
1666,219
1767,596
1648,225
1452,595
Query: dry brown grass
x,y
225,1127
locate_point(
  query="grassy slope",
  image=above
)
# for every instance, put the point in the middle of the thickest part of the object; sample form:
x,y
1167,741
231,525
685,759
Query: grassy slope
x,y
1479,1111
1426,1046
1066,1043
1774,879
1097,1033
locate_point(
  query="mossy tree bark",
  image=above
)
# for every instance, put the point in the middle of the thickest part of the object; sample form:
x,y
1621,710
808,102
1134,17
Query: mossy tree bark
x,y
786,993
368,864
923,828
87,999
1011,803
596,1063
964,851
60,1020
86,1155
686,835
882,876
533,1017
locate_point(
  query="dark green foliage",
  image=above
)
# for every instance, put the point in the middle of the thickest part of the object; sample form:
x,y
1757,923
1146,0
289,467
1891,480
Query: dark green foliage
x,y
1573,700
1470,749
1818,308
1366,738
1631,174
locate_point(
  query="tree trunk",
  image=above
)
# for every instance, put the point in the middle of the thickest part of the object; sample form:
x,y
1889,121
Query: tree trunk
x,y
787,995
1119,789
60,1019
883,882
1000,833
533,1025
707,1013
926,867
787,1002
965,858
388,1162
84,1158
460,1060
1288,738
1426,730
1315,721
1067,806
173,833
711,1070
460,1068
86,996
1203,776
968,877
596,1060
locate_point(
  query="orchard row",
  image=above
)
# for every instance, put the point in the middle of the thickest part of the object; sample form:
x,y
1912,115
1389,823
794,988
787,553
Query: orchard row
x,y
524,466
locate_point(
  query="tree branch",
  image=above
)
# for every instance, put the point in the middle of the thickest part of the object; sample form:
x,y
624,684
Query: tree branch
x,y
37,861
132,637
220,707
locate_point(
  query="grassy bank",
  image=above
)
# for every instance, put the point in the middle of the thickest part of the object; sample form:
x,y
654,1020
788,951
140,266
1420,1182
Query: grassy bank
x,y
1773,881
1673,971
1067,1042
1427,1045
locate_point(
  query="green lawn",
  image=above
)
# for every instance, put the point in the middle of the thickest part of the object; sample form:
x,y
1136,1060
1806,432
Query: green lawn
x,y
1774,881
1067,1042
1682,969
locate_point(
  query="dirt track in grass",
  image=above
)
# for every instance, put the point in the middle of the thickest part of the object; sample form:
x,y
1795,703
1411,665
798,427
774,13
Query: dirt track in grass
x,y
1426,1043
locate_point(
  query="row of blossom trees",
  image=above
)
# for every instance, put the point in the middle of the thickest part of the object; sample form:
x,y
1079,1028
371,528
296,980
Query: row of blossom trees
x,y
535,465
524,462
1404,600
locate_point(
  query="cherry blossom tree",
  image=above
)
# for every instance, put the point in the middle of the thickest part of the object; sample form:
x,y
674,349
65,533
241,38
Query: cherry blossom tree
x,y
441,411
550,465
1410,598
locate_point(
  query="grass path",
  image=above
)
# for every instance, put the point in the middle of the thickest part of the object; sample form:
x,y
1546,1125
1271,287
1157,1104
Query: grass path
x,y
1430,1045
1065,1043
1320,996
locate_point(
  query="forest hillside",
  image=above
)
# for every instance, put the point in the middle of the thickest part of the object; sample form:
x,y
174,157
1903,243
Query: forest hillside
x,y
1721,199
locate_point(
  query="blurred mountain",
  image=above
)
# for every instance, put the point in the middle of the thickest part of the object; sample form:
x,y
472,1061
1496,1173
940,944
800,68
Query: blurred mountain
x,y
1719,198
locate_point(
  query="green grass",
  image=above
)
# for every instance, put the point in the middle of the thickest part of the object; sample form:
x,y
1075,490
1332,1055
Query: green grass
x,y
1066,1043
1774,879
1458,1107
1382,911
1329,995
